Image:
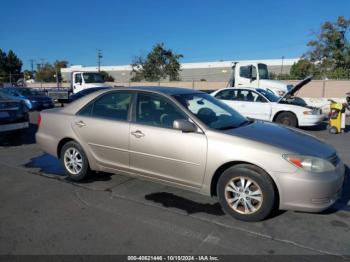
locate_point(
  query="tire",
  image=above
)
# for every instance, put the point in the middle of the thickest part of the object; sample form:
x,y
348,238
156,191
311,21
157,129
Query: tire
x,y
74,161
287,118
261,186
333,130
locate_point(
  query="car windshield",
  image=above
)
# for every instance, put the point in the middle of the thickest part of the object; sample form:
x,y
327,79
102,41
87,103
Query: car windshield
x,y
211,111
93,78
263,72
269,95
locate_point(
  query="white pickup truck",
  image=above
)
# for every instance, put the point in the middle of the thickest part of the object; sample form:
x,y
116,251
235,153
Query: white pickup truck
x,y
256,75
84,80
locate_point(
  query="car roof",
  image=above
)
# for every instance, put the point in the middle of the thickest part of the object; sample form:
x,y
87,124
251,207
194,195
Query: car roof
x,y
165,90
76,105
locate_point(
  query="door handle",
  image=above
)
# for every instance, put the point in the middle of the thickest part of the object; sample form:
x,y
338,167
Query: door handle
x,y
80,124
138,134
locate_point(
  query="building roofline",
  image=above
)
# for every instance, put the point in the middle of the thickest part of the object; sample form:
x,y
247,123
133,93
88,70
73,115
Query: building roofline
x,y
214,64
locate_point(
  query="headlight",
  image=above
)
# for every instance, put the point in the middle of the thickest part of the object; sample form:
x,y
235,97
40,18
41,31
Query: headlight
x,y
310,163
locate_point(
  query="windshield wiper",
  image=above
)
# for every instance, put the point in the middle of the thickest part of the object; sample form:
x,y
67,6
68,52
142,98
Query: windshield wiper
x,y
244,123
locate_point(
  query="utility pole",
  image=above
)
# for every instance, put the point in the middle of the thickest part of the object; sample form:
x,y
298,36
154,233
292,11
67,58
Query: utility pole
x,y
99,56
32,65
282,65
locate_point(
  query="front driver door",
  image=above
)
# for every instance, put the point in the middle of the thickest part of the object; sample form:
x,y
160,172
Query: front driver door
x,y
254,105
159,151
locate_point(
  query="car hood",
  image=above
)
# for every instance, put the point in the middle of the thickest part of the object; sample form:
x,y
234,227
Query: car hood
x,y
296,88
284,138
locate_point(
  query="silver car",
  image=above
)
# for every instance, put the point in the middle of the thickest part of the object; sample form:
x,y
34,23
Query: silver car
x,y
191,140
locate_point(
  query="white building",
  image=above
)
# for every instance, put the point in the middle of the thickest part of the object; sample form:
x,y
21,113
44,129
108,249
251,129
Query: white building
x,y
205,71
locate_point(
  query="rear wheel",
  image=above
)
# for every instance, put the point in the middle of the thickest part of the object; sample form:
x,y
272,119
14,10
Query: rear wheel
x,y
333,130
287,118
74,161
246,193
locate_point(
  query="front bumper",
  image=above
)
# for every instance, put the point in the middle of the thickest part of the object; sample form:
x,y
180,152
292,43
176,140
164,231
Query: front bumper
x,y
311,120
302,191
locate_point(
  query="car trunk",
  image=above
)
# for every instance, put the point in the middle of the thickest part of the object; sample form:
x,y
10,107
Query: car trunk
x,y
11,112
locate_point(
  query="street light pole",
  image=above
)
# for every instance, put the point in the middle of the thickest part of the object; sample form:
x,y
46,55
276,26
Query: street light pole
x,y
99,56
282,65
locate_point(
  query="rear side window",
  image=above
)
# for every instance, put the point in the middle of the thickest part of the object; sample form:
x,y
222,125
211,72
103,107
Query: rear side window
x,y
113,106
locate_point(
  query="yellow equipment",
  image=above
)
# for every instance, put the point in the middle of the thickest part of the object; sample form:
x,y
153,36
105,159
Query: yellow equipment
x,y
336,117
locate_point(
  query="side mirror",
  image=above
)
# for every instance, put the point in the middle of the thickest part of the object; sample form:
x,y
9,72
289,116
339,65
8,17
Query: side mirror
x,y
184,125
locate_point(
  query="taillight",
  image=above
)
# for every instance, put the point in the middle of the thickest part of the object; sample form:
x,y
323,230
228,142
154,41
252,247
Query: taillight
x,y
39,119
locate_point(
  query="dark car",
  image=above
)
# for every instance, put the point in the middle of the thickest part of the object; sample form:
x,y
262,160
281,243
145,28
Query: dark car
x,y
85,92
33,99
13,115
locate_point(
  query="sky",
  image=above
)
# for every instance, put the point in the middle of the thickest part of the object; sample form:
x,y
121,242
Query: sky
x,y
201,30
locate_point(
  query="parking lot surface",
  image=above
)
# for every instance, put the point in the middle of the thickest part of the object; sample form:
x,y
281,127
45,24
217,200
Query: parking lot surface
x,y
42,212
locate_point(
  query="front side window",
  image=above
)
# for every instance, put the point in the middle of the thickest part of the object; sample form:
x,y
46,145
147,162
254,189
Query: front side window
x,y
156,111
77,78
211,111
113,106
228,94
244,71
269,95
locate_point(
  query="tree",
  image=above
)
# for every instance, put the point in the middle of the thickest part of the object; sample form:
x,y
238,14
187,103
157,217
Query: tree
x,y
107,77
10,65
45,73
330,51
28,74
58,64
48,72
160,63
302,69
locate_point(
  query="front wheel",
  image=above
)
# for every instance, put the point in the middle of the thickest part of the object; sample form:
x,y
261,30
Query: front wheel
x,y
246,193
74,161
287,118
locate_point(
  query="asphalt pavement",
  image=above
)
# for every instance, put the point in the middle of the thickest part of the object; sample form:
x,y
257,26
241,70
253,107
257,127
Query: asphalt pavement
x,y
43,212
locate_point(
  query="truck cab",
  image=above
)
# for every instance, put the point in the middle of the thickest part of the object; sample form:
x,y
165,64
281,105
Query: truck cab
x,y
256,75
84,80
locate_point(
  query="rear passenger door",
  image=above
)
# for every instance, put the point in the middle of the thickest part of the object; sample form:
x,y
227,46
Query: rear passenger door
x,y
103,127
159,151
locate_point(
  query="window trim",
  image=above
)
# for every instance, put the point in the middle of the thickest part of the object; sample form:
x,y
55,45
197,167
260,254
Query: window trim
x,y
107,118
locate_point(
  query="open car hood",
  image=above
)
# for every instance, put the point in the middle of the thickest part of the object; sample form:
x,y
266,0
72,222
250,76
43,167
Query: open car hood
x,y
296,88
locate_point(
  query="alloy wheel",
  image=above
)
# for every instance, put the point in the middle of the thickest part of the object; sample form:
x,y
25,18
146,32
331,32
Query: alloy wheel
x,y
243,195
73,161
